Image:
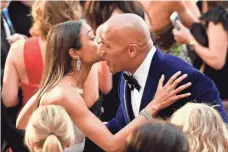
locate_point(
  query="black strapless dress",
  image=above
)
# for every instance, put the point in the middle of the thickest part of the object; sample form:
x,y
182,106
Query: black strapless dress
x,y
220,77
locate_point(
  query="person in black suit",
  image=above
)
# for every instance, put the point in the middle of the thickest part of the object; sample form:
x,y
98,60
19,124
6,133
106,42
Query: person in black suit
x,y
19,13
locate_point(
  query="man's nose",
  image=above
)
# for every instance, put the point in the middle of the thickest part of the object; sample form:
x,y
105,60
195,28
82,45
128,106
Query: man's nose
x,y
102,52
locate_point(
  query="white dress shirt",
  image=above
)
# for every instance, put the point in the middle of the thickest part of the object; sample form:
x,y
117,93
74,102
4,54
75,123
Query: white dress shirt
x,y
141,76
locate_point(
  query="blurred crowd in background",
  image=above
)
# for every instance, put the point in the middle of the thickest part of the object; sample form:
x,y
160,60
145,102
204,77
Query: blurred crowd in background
x,y
25,26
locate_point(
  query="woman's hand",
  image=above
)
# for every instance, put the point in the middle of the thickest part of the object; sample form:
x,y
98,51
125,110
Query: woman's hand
x,y
167,94
183,35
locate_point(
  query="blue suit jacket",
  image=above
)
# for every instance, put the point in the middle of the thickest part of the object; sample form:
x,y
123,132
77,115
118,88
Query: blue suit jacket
x,y
202,90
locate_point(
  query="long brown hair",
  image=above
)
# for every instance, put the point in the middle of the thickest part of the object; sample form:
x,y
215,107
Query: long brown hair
x,y
46,14
60,40
157,136
213,4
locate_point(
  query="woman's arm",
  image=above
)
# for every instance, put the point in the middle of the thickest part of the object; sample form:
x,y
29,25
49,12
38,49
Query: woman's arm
x,y
191,5
97,131
32,105
11,78
91,89
105,77
92,127
186,16
26,112
215,54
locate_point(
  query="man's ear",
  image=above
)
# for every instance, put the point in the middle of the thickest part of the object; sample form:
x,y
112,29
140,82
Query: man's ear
x,y
74,54
133,50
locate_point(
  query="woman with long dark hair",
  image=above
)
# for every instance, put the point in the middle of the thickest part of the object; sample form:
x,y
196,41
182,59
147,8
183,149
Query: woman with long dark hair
x,y
157,136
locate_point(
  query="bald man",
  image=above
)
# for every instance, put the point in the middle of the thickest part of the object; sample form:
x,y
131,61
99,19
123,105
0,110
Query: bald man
x,y
127,46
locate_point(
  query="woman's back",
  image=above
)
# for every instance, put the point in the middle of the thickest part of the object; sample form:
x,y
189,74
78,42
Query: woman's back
x,y
162,27
24,69
29,65
158,20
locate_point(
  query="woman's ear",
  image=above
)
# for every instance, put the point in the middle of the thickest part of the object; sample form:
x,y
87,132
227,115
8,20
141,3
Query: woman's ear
x,y
74,54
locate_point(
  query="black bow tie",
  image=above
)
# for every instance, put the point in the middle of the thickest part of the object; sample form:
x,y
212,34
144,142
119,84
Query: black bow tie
x,y
132,82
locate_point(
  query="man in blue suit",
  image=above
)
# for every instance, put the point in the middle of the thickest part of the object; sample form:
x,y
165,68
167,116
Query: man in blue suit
x,y
127,46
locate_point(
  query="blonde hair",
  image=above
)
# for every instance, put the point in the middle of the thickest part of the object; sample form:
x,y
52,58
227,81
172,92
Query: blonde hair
x,y
204,126
50,128
46,14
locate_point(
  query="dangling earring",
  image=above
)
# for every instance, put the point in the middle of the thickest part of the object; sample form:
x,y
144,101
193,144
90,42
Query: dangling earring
x,y
78,64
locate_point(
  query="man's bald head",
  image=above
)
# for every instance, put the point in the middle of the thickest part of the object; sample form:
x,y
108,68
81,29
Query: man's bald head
x,y
128,27
125,42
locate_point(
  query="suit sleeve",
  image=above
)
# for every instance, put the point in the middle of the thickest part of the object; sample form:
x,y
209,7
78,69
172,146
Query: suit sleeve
x,y
118,122
205,91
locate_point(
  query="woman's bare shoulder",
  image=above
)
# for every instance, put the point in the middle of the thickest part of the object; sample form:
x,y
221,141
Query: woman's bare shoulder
x,y
18,46
53,96
16,51
62,96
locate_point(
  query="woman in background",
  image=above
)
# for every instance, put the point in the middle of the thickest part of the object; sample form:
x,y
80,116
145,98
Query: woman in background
x,y
159,13
25,62
49,130
205,129
159,136
209,40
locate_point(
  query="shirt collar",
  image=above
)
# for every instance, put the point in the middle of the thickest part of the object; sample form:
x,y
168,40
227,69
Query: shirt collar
x,y
141,73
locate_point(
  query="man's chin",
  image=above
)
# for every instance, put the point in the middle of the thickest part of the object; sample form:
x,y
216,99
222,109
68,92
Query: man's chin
x,y
111,70
98,59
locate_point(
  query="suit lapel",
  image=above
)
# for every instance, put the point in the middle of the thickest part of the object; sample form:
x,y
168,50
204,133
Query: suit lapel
x,y
125,97
123,101
153,77
128,102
